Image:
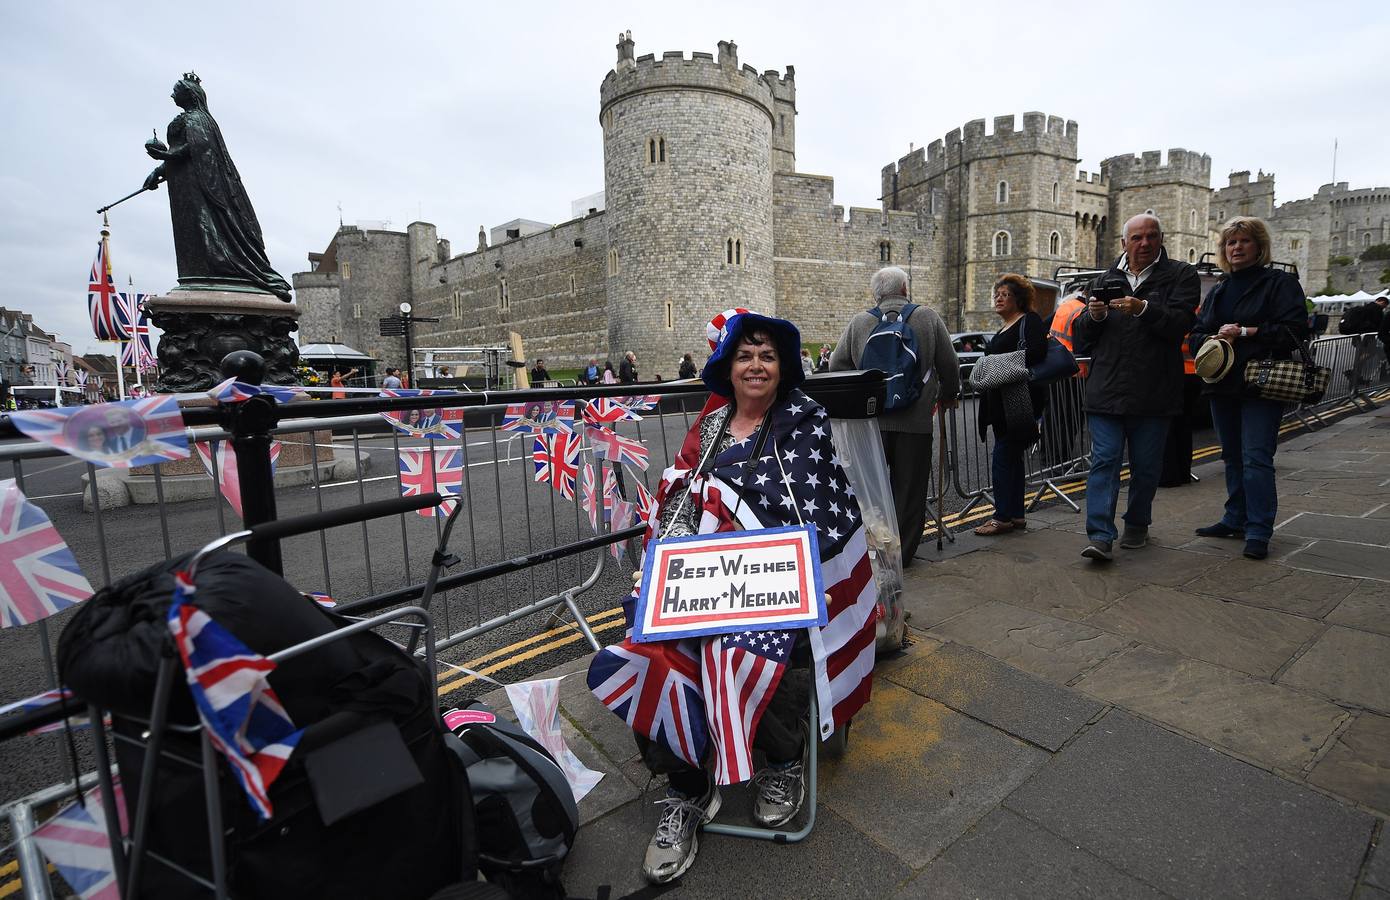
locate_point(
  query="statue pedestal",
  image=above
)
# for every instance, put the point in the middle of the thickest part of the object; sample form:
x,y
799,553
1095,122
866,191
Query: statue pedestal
x,y
201,327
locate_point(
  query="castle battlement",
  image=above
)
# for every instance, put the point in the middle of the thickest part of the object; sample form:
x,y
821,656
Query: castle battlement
x,y
1094,179
1040,133
1182,166
1360,195
703,71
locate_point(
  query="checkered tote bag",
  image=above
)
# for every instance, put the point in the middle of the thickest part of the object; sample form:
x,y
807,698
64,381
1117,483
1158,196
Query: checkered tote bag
x,y
1288,380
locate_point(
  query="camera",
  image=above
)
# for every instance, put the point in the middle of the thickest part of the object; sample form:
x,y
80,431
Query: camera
x,y
1110,291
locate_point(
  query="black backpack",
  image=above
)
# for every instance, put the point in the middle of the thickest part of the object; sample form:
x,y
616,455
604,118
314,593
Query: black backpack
x,y
1360,319
525,810
892,349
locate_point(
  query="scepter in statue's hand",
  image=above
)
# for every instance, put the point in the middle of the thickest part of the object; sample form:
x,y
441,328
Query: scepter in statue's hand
x,y
157,150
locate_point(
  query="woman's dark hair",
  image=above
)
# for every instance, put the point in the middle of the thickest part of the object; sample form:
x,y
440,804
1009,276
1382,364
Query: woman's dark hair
x,y
758,337
1020,288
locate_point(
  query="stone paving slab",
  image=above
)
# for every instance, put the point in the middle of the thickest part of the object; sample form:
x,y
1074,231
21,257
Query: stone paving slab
x,y
936,591
917,774
1157,564
1007,857
1358,765
1378,871
1331,503
1277,587
1051,648
1338,528
1191,821
1346,665
999,695
1269,723
1367,607
1257,641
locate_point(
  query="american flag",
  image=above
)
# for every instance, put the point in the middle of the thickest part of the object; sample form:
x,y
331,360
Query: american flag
x,y
233,391
239,709
427,470
103,299
737,674
615,448
441,422
225,473
655,688
136,350
129,433
557,461
539,417
608,409
38,573
76,843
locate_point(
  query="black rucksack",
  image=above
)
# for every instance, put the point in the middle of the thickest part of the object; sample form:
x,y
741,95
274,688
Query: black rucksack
x,y
525,809
1360,319
892,349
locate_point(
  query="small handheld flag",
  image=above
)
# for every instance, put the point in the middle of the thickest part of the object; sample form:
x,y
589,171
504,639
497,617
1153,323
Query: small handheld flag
x,y
38,573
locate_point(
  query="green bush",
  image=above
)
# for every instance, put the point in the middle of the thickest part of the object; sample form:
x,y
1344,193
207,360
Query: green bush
x,y
1339,261
1376,251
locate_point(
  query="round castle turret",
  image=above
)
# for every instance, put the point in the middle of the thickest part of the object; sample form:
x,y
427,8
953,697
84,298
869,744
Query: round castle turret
x,y
1178,191
688,163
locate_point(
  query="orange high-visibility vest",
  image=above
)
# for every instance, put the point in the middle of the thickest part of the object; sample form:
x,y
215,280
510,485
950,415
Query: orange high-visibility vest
x,y
1064,320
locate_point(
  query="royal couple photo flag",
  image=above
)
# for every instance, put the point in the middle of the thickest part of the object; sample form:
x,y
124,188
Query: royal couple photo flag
x,y
433,423
129,433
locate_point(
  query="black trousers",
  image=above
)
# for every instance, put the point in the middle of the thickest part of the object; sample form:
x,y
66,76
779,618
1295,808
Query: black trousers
x,y
1177,452
909,459
780,736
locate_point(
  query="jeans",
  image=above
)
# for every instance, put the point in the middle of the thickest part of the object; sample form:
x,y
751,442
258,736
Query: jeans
x,y
1008,475
1249,431
1146,436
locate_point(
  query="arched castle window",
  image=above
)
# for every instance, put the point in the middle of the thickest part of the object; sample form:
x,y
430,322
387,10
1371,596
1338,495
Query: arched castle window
x,y
456,304
1336,239
670,316
1001,242
504,299
733,251
345,269
1001,193
1294,244
1192,218
738,251
1056,192
571,285
1054,244
885,251
1192,256
357,310
612,263
656,150
1366,239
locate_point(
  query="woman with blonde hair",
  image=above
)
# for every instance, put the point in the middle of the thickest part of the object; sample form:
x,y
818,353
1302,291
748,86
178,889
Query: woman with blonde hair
x,y
1259,311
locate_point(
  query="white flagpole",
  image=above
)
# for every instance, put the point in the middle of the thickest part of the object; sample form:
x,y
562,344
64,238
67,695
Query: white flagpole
x,y
106,242
133,311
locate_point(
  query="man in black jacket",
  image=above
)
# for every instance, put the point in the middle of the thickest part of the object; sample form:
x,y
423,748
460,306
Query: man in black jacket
x,y
1135,383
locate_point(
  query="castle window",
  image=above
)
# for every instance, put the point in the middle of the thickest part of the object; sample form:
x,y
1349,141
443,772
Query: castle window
x,y
1192,218
729,252
612,263
1056,192
1366,239
504,299
1001,193
885,251
670,316
1294,244
1192,256
571,285
357,310
733,251
1001,243
345,269
738,251
1054,244
661,149
656,150
1336,239
456,304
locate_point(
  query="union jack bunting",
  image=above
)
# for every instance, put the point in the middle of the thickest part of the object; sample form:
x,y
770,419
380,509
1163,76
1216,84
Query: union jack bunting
x,y
427,470
103,299
539,417
238,707
129,433
622,518
588,496
61,368
441,422
37,701
233,391
81,376
321,599
739,673
655,688
608,409
608,444
225,472
136,350
38,573
557,461
646,505
76,843
76,719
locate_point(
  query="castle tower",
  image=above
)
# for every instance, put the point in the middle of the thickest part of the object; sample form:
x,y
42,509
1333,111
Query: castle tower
x,y
1010,204
1178,192
688,162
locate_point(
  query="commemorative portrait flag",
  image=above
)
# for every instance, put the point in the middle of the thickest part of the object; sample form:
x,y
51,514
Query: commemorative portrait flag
x,y
123,434
539,417
556,458
103,300
431,470
239,709
38,573
225,471
77,843
440,422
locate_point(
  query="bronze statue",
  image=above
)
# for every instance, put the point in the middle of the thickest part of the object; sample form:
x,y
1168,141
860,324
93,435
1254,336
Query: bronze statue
x,y
217,238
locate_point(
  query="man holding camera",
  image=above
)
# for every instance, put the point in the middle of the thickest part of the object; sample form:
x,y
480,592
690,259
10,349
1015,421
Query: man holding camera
x,y
1138,313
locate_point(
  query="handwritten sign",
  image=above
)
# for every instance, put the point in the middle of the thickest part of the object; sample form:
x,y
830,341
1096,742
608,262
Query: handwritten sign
x,y
731,581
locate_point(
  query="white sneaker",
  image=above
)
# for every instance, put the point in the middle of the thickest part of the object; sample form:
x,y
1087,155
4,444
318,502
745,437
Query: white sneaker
x,y
781,791
672,849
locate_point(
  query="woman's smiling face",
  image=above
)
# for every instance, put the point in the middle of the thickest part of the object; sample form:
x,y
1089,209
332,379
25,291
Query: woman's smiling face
x,y
756,370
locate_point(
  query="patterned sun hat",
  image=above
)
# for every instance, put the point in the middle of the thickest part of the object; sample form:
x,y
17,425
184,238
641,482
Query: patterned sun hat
x,y
715,329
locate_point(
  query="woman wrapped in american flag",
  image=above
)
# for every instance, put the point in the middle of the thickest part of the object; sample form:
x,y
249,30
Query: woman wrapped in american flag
x,y
759,456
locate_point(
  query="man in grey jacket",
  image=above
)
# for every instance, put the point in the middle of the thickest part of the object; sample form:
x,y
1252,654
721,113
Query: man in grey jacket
x,y
907,433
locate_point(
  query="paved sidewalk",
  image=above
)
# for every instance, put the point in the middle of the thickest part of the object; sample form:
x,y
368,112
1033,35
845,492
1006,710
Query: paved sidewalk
x,y
1182,722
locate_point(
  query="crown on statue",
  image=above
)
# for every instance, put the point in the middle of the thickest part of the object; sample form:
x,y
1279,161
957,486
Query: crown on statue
x,y
193,77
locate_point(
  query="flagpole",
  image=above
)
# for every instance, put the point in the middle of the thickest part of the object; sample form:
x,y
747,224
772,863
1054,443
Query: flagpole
x,y
106,254
133,310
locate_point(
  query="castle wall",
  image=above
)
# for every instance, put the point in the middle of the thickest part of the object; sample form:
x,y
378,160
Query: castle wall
x,y
1242,197
320,307
824,261
1177,191
1092,219
1311,216
1360,219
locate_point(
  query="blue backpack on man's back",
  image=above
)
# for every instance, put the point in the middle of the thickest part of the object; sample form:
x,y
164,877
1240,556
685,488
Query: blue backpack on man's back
x,y
892,349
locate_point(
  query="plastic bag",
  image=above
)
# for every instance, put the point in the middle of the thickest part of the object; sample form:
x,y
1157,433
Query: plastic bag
x,y
861,452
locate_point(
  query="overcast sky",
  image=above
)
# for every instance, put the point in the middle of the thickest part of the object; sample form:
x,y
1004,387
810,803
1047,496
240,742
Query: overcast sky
x,y
463,113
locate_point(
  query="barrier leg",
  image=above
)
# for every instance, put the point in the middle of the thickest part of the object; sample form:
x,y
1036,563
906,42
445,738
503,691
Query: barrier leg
x,y
32,870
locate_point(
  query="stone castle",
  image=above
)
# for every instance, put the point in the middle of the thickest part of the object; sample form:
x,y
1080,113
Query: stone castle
x,y
703,209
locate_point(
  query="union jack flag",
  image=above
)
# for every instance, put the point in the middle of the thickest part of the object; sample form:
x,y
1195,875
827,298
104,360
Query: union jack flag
x,y
225,472
739,673
233,391
557,461
61,368
615,448
321,599
77,719
38,573
427,470
103,300
608,409
76,843
655,688
136,350
239,709
81,376
539,417
622,518
589,494
129,433
442,422
646,505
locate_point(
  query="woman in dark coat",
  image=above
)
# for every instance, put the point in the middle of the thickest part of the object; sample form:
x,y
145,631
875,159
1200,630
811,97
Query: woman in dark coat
x,y
1260,312
1013,303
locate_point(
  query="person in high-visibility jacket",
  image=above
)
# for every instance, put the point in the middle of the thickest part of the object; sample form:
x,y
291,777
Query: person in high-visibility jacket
x,y
1062,419
1177,449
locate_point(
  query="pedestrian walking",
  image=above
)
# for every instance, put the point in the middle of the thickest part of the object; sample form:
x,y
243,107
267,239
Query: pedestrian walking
x,y
687,369
392,381
608,376
627,371
807,366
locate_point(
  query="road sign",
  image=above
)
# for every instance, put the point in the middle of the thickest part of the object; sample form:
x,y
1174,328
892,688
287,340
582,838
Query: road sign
x,y
392,326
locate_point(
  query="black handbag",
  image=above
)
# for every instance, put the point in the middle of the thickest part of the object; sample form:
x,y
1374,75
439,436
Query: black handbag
x,y
1058,364
1288,380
